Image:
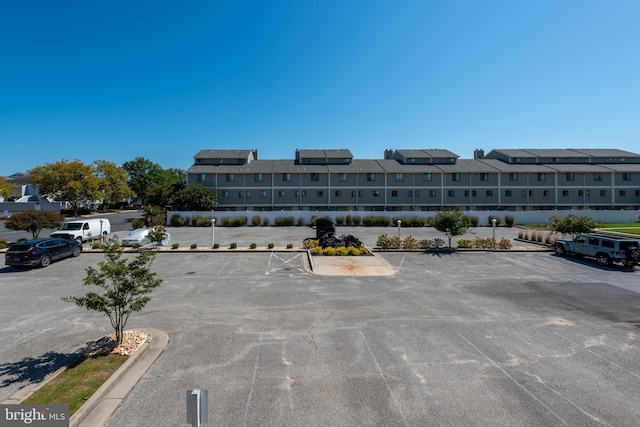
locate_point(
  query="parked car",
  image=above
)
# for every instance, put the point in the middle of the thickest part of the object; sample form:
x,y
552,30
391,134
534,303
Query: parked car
x,y
605,249
139,236
41,252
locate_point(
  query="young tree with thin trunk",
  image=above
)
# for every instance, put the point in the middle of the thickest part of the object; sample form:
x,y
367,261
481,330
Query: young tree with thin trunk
x,y
125,283
451,223
34,221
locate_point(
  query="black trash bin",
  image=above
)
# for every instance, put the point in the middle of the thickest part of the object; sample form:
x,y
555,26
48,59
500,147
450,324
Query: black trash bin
x,y
324,226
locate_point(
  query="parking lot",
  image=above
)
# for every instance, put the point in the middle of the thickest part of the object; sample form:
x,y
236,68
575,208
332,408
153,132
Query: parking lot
x,y
475,338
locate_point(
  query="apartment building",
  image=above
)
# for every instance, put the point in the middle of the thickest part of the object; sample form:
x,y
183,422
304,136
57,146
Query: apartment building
x,y
430,179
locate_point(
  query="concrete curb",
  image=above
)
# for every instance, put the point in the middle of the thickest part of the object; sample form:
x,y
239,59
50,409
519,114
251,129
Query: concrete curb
x,y
98,409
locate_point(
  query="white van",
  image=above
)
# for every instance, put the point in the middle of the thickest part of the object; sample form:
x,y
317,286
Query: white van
x,y
83,229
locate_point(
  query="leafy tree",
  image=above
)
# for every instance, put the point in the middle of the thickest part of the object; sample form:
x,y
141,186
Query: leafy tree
x,y
144,174
451,223
158,234
112,182
572,224
73,182
34,221
195,197
126,285
6,188
154,215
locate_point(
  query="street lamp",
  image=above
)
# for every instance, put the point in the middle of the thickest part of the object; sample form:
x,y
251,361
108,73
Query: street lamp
x,y
101,229
399,224
213,229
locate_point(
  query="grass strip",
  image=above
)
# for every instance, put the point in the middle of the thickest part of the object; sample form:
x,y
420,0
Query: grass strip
x,y
79,382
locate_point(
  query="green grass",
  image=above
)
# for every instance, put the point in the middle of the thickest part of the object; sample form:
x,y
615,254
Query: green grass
x,y
621,228
78,383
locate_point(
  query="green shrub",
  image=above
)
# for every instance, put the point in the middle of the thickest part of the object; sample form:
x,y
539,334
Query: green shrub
x,y
388,242
376,221
310,243
509,220
464,243
520,234
253,246
265,221
349,220
194,245
233,245
339,220
175,245
409,242
504,243
178,221
341,251
438,243
484,243
138,223
216,246
3,243
329,251
300,221
316,250
255,220
353,251
283,221
498,220
475,221
313,220
357,220
289,245
200,221
270,245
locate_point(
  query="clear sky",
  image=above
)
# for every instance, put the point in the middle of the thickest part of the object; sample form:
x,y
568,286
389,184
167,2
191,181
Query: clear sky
x,y
164,79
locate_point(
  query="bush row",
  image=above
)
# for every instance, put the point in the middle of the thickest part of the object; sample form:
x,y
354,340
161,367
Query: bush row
x,y
340,251
394,242
484,243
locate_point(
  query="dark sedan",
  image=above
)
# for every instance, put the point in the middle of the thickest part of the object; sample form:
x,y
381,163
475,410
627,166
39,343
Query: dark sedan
x,y
40,252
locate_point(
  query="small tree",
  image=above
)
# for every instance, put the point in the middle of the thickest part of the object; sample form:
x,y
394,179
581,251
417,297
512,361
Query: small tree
x,y
34,221
572,224
451,223
126,286
158,234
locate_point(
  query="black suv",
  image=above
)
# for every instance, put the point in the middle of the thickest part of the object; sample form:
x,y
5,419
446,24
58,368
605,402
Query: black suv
x,y
605,249
40,252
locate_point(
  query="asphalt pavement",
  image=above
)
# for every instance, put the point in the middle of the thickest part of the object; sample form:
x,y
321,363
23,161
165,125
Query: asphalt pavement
x,y
476,338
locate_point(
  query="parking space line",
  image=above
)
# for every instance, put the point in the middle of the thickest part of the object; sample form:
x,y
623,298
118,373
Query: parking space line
x,y
516,382
253,383
375,361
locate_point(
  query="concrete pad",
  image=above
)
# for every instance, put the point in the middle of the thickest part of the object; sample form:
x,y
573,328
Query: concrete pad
x,y
373,265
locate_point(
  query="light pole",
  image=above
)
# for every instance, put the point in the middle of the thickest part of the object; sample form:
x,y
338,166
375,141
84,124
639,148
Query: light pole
x,y
399,224
493,223
101,229
213,230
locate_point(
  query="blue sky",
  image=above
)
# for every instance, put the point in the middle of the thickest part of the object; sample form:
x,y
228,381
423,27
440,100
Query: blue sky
x,y
165,79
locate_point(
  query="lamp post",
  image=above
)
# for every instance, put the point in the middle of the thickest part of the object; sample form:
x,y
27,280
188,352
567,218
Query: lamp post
x,y
101,229
399,224
213,230
493,224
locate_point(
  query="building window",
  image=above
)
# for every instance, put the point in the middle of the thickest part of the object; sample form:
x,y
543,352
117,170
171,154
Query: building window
x,y
513,176
603,193
296,193
580,193
484,177
626,176
587,193
257,177
399,177
240,194
280,193
417,193
247,194
315,177
304,193
371,177
523,193
319,193
201,177
225,194
637,193
410,193
360,193
338,193
489,193
394,193
597,176
507,193
451,193
565,193
474,193
466,193
530,193
263,193
545,193
432,193
343,177
542,176
376,193
286,177
427,176
622,193
231,177
571,176
455,176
